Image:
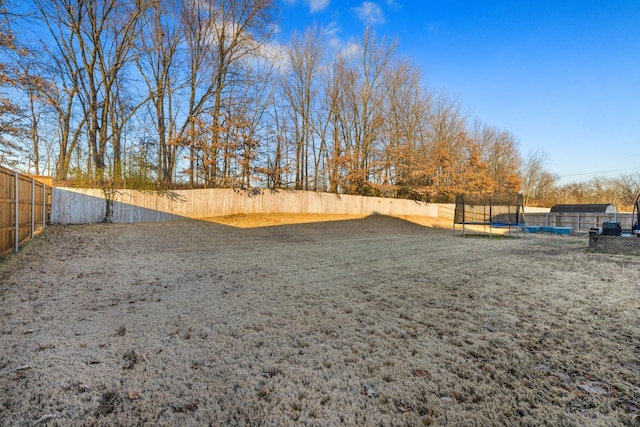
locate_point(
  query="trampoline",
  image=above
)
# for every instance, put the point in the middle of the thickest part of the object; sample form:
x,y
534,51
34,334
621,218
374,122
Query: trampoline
x,y
483,211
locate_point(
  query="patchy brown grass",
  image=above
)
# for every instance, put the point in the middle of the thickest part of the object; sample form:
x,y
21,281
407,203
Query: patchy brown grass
x,y
372,321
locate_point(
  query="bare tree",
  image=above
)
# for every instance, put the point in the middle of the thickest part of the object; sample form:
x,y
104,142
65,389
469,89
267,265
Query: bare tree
x,y
537,182
33,86
223,37
362,112
500,150
95,40
157,60
627,189
13,122
301,89
440,166
238,31
405,111
276,149
335,101
59,92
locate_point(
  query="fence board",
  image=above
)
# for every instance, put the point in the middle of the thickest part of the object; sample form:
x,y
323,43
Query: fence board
x,y
32,208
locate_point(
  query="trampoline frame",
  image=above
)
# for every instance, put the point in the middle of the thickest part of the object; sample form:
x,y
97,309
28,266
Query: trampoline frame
x,y
510,206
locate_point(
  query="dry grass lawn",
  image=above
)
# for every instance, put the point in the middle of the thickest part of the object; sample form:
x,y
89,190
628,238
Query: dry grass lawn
x,y
372,321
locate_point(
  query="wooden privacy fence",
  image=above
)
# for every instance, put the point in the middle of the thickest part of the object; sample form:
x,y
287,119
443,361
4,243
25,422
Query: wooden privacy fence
x,y
579,221
83,206
24,209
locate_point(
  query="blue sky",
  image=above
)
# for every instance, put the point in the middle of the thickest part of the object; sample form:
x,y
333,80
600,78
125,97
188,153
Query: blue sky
x,y
563,76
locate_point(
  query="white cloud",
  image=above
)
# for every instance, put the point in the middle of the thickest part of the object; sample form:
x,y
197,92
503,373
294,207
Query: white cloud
x,y
370,13
351,50
317,5
275,28
332,34
275,54
331,30
313,5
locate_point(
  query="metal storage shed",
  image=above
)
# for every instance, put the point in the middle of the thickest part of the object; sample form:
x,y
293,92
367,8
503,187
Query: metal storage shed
x,y
602,208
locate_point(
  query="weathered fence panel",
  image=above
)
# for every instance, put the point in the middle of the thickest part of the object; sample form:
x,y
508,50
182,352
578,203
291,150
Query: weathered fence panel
x,y
7,184
579,221
81,206
24,209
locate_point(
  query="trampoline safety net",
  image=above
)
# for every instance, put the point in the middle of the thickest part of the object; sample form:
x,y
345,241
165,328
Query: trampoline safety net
x,y
493,210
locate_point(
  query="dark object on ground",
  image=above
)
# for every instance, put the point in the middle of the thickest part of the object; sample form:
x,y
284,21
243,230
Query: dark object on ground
x,y
611,228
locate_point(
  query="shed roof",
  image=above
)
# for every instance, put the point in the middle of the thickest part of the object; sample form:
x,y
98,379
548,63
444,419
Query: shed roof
x,y
586,208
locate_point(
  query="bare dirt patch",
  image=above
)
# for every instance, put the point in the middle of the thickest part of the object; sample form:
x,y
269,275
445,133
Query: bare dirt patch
x,y
371,321
268,220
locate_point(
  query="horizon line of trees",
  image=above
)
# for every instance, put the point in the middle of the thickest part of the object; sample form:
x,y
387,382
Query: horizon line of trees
x,y
168,93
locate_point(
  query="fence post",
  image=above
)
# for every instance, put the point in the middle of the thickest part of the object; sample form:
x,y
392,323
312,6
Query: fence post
x,y
44,205
16,225
33,207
